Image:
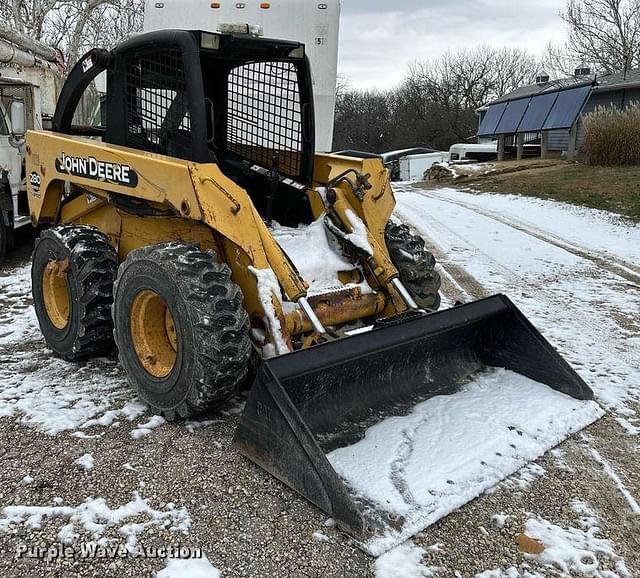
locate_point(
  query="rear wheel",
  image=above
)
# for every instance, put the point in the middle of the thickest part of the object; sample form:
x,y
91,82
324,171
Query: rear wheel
x,y
181,329
415,264
72,273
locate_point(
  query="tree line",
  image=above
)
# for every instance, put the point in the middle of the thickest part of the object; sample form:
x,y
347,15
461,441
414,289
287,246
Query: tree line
x,y
435,105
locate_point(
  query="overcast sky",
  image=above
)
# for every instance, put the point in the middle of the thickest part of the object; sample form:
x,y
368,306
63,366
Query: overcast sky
x,y
380,38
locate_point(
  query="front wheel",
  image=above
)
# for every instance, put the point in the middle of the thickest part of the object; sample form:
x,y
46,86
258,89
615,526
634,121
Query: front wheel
x,y
415,265
181,329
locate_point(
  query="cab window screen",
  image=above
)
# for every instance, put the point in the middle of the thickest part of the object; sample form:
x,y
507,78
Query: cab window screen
x,y
157,104
264,123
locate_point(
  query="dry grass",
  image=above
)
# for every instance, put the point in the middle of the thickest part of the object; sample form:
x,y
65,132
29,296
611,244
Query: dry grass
x,y
612,137
615,189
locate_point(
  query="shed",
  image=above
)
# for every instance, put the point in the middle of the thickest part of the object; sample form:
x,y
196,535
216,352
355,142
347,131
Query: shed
x,y
550,113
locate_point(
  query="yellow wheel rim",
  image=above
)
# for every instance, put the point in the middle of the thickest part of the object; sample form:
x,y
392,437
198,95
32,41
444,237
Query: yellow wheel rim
x,y
153,333
55,293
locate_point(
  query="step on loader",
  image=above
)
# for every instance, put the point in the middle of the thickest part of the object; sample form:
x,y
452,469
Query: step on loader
x,y
161,239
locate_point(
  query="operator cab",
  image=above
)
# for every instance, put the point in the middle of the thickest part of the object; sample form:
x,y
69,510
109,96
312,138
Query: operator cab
x,y
243,102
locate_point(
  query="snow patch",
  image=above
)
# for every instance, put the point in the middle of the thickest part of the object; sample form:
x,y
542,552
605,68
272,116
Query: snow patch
x,y
18,320
359,235
500,519
574,549
37,387
404,561
191,426
316,259
189,568
85,461
523,480
146,428
509,573
268,288
608,469
94,516
451,448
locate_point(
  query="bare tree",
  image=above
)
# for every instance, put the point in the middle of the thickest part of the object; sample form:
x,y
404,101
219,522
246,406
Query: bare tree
x,y
458,83
435,105
603,33
74,26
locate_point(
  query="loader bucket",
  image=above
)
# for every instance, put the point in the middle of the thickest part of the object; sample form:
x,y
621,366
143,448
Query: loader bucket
x,y
362,426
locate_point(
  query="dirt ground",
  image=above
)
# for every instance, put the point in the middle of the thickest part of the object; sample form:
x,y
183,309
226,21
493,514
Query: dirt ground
x,y
248,523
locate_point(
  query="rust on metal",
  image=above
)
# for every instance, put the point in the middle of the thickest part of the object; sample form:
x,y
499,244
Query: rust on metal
x,y
336,308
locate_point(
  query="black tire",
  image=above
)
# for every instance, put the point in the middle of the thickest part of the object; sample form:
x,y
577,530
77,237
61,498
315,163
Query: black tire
x,y
88,267
210,329
415,264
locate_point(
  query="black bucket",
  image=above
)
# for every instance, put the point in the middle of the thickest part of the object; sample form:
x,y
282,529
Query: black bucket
x,y
306,404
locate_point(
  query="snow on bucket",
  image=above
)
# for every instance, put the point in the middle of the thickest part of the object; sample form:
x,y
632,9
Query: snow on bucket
x,y
389,431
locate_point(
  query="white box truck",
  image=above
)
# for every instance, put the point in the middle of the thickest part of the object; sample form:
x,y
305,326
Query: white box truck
x,y
28,93
314,22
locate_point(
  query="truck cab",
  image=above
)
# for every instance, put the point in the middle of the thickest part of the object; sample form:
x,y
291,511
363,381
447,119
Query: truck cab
x,y
27,102
18,112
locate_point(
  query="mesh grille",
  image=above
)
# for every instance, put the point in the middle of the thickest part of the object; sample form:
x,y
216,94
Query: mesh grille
x,y
158,116
264,116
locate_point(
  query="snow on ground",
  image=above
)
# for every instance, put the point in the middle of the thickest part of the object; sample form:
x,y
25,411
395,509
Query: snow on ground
x,y
94,517
451,448
145,429
570,551
189,568
582,292
608,469
85,461
17,317
404,561
44,391
598,231
575,550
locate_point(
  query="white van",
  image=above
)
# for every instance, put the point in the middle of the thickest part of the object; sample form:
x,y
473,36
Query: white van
x,y
478,152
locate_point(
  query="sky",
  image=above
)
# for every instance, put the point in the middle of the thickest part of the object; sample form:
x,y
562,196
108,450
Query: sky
x,y
379,39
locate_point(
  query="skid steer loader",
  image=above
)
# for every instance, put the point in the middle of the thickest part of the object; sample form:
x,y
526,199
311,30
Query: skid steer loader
x,y
162,239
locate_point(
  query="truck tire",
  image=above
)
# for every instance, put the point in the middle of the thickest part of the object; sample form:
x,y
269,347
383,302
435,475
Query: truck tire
x,y
181,329
415,264
72,273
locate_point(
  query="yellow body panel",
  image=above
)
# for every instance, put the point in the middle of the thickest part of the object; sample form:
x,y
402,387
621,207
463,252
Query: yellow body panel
x,y
199,204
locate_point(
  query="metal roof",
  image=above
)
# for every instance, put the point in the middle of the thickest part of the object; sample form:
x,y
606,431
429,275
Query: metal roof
x,y
603,83
546,111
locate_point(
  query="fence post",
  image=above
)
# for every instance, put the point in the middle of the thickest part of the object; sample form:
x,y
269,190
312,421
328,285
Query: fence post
x,y
544,144
573,140
501,147
520,143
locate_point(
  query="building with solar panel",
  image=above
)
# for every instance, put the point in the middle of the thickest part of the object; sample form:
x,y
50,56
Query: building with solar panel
x,y
546,118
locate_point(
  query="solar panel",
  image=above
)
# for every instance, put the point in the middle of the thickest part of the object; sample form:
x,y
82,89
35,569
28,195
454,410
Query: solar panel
x,y
513,116
491,119
567,108
537,112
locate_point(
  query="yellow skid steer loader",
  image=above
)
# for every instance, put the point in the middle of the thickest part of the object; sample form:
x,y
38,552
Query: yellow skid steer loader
x,y
162,240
